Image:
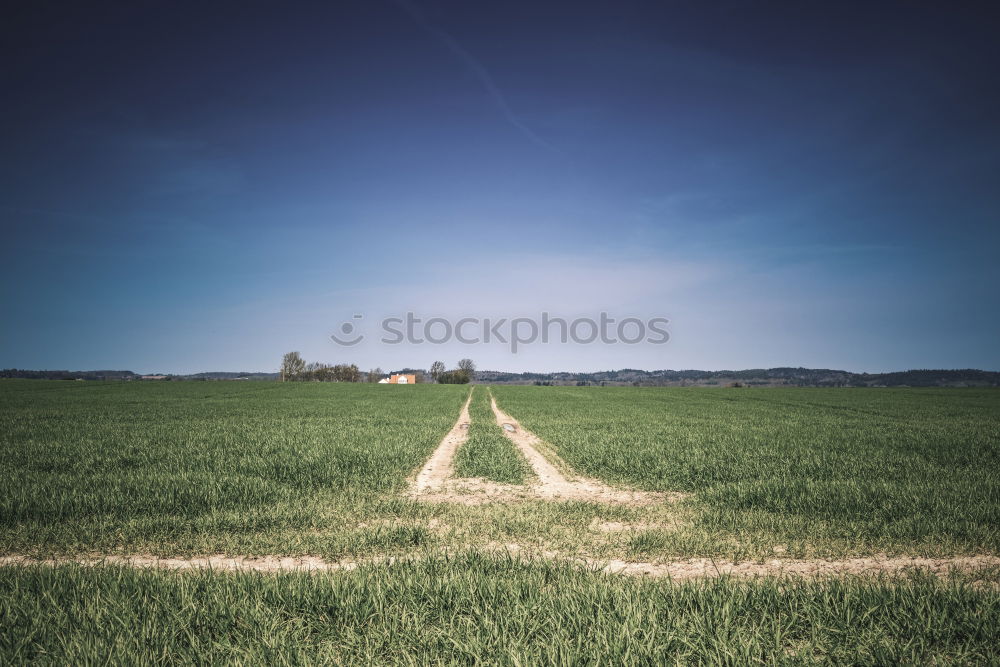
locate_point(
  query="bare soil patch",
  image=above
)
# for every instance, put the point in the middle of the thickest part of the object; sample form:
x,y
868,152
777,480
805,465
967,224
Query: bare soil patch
x,y
699,568
475,491
625,527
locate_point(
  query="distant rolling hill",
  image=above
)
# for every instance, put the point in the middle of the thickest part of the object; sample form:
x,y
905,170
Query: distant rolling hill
x,y
757,377
760,377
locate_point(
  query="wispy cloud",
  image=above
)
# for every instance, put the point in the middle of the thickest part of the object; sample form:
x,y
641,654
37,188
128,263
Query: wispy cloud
x,y
180,166
477,69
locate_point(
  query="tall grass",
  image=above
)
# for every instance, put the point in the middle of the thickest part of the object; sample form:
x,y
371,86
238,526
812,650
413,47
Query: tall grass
x,y
476,609
488,453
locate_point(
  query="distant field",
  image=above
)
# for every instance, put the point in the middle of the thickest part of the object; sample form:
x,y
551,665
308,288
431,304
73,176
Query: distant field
x,y
816,471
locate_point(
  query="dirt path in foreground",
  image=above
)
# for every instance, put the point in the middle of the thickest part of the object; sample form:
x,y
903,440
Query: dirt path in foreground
x,y
702,568
677,570
554,485
436,481
440,466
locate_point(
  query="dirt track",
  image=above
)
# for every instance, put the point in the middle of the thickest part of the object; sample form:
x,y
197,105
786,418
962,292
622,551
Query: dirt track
x,y
440,467
436,481
554,485
678,570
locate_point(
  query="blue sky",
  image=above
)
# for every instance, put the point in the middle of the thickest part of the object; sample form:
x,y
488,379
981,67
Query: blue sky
x,y
188,189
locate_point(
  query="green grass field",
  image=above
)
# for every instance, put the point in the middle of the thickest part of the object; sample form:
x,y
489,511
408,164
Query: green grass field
x,y
819,471
320,468
203,467
245,468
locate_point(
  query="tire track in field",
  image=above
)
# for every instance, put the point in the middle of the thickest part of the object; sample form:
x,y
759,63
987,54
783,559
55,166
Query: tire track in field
x,y
440,466
554,485
675,570
436,481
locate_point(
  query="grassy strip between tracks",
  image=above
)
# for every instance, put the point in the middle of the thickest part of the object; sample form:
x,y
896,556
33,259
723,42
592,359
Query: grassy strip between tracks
x,y
488,453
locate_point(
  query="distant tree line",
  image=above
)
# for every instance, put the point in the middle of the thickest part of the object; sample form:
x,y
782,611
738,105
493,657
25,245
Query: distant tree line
x,y
463,374
295,369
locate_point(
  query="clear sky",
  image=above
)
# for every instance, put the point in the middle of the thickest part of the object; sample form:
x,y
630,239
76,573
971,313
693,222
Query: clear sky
x,y
204,186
